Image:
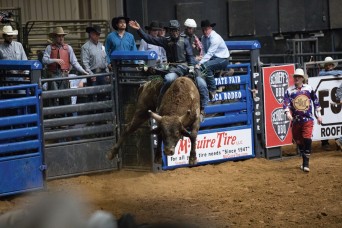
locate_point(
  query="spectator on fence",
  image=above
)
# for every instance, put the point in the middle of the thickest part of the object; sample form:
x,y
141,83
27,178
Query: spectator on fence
x,y
179,54
189,32
215,56
59,57
12,50
298,109
339,97
328,69
153,30
120,39
93,59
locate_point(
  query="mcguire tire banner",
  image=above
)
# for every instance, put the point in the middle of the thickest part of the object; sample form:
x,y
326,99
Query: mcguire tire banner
x,y
277,127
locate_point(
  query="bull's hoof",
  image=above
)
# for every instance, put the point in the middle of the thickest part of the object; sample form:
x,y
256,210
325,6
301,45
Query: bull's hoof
x,y
193,161
158,160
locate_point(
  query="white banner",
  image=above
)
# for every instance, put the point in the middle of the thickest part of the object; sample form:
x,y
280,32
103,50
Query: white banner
x,y
325,88
214,146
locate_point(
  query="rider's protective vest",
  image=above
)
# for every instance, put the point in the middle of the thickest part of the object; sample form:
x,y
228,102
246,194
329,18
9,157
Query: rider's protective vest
x,y
176,53
59,53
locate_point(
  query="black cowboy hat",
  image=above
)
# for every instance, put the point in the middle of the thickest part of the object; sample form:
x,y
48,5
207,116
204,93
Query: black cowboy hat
x,y
206,23
162,25
94,28
154,25
115,21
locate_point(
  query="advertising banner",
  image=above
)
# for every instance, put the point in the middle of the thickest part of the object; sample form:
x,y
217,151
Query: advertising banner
x,y
277,127
214,146
325,89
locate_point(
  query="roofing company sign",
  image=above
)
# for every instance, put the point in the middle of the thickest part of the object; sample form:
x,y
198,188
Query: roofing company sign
x,y
325,89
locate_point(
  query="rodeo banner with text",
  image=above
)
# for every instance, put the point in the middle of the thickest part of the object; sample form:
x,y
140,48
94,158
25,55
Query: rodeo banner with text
x,y
221,145
277,127
325,88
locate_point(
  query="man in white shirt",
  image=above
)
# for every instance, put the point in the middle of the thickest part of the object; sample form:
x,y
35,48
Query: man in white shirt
x,y
12,50
215,56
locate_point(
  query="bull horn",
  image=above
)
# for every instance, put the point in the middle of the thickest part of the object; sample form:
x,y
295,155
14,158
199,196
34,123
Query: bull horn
x,y
184,117
155,116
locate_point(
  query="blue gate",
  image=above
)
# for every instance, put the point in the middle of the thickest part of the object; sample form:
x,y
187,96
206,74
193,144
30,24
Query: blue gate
x,y
227,134
21,141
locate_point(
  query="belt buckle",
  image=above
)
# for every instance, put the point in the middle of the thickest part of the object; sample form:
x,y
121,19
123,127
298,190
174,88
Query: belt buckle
x,y
65,73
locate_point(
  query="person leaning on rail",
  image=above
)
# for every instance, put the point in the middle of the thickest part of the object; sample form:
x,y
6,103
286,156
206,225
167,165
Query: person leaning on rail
x,y
93,59
59,58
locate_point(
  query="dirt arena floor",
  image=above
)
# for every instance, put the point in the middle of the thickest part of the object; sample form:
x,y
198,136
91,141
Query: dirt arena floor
x,y
251,193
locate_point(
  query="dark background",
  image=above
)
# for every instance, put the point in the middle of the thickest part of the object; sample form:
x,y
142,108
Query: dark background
x,y
262,20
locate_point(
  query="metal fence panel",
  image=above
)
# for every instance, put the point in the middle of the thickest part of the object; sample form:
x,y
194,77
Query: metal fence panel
x,y
21,140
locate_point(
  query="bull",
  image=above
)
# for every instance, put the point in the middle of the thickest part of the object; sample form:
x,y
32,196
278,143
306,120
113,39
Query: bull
x,y
146,100
178,112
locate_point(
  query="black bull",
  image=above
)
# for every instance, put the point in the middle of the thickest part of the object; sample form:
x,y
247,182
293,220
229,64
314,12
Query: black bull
x,y
179,112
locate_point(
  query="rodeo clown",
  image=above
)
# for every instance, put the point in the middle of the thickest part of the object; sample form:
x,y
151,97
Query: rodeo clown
x,y
298,109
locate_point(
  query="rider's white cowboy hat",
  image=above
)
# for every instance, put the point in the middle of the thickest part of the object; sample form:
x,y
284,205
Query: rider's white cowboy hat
x,y
328,60
8,30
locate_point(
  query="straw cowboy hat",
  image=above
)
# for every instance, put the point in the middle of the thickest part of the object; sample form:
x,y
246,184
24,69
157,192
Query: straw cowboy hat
x,y
94,28
300,72
154,25
328,60
8,30
58,31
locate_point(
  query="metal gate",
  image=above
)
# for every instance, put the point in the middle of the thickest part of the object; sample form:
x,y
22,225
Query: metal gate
x,y
21,139
79,127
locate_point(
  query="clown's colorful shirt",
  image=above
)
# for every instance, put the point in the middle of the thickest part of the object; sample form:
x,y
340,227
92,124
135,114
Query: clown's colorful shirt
x,y
298,102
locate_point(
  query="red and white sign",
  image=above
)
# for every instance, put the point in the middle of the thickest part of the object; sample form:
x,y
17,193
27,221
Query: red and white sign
x,y
214,146
277,127
325,89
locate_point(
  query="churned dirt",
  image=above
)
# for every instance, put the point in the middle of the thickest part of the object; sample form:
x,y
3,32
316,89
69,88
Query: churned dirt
x,y
251,193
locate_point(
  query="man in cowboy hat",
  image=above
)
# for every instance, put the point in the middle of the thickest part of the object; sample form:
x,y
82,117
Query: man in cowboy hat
x,y
153,30
11,50
215,56
93,57
120,39
59,57
179,53
298,109
162,31
328,66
